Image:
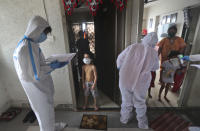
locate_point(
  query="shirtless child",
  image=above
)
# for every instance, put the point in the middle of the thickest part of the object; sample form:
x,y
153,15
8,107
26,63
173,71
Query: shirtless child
x,y
89,80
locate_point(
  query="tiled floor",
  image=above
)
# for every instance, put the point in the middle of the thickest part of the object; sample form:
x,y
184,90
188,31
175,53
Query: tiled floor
x,y
106,102
102,100
153,102
173,97
74,118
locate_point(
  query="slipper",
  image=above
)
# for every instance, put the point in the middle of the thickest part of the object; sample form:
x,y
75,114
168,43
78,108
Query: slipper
x,y
7,116
96,108
16,110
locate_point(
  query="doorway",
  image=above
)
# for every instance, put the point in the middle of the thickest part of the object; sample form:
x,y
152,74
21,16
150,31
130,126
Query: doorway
x,y
186,22
104,33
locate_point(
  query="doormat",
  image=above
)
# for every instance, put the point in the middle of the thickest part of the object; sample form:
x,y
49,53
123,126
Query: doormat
x,y
97,122
170,122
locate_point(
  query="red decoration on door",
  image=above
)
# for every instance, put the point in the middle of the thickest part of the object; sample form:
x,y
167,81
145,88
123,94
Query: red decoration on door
x,y
69,5
94,5
120,4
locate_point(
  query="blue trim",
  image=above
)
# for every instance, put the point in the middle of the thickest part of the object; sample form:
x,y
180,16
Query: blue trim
x,y
25,37
29,39
20,42
15,57
17,47
48,73
31,55
32,60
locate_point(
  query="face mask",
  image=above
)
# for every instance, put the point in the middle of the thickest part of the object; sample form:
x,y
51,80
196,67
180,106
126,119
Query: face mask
x,y
87,60
171,34
42,38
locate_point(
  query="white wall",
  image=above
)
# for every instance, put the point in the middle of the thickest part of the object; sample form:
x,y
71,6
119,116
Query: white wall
x,y
133,22
145,19
4,98
165,7
14,16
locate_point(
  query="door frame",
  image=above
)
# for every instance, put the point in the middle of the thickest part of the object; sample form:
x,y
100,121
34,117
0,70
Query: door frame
x,y
188,80
67,48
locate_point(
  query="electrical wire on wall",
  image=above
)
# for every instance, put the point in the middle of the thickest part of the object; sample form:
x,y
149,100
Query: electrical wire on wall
x,y
45,10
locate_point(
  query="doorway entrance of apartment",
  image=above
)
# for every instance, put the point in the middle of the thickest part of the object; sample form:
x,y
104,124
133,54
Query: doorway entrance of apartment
x,y
105,35
186,20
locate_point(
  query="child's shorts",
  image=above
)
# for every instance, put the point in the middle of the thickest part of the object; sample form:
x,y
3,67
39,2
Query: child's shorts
x,y
89,89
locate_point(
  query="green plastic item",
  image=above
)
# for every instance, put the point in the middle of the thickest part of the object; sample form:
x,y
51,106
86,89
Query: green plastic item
x,y
180,56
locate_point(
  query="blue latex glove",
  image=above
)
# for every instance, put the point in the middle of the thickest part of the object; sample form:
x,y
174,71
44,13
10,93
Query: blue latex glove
x,y
62,64
186,58
56,64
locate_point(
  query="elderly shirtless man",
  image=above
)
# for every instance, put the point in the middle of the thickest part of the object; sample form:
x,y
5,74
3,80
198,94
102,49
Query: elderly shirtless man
x,y
89,80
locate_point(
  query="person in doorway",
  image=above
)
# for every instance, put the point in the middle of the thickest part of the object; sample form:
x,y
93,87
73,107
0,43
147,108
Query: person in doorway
x,y
135,64
83,46
89,80
168,44
171,43
169,68
34,73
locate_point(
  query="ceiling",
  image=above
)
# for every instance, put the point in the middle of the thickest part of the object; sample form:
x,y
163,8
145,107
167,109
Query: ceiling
x,y
149,3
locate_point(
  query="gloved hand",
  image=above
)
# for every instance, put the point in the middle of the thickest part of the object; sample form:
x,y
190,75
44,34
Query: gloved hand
x,y
56,64
62,64
186,58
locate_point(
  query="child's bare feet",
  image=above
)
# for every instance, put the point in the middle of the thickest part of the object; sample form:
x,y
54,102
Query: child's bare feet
x,y
96,108
167,99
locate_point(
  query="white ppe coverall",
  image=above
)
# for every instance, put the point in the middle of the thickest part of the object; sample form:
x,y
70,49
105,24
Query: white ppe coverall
x,y
34,74
195,57
136,63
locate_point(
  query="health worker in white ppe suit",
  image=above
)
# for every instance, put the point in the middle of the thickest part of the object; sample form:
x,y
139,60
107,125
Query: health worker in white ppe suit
x,y
135,64
34,73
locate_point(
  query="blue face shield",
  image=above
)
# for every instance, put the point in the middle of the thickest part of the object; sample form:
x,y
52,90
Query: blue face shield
x,y
42,38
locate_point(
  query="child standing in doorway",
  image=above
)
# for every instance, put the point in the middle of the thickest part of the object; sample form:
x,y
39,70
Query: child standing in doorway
x,y
89,80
